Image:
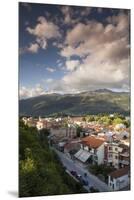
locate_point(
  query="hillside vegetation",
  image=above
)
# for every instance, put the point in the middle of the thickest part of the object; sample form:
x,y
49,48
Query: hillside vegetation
x,y
76,104
40,171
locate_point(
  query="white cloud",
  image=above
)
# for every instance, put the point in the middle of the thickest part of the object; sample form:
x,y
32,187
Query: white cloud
x,y
71,65
104,52
69,15
49,80
66,10
50,69
33,48
25,92
44,31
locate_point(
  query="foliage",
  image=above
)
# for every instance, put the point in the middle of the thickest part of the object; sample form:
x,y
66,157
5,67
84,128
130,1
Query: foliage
x,y
40,171
101,169
77,104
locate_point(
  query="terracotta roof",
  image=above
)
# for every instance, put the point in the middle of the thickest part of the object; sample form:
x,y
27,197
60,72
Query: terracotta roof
x,y
120,172
93,141
76,118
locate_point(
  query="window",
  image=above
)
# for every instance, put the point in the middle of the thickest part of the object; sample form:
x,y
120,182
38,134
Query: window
x,y
110,155
116,157
110,148
116,149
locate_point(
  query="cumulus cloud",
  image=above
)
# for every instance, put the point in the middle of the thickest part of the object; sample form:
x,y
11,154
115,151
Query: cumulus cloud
x,y
33,48
104,52
69,15
43,31
71,65
25,92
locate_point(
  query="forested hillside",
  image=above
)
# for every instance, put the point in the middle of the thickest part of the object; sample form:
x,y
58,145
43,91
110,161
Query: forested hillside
x,y
40,171
100,101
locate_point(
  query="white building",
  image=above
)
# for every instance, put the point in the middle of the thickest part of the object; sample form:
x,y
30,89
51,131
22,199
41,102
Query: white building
x,y
111,154
41,124
119,179
92,147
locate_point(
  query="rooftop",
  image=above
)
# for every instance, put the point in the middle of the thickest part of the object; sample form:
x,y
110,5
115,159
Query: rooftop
x,y
93,141
120,172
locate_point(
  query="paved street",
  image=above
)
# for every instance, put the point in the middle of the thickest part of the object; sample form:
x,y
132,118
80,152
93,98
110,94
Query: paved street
x,y
73,165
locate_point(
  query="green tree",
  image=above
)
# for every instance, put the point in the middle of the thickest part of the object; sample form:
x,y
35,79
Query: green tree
x,y
117,121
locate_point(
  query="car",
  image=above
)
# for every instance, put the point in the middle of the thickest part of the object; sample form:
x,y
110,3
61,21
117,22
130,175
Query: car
x,y
84,182
74,173
79,177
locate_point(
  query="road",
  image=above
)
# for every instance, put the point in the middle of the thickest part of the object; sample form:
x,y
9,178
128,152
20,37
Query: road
x,y
72,165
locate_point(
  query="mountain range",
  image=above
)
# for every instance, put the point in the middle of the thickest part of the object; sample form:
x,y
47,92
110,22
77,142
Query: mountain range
x,y
91,102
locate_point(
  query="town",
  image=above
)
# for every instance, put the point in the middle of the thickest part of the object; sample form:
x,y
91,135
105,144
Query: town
x,y
94,149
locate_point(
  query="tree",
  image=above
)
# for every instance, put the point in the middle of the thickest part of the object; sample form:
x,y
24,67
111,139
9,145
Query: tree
x,y
117,121
90,118
84,119
40,170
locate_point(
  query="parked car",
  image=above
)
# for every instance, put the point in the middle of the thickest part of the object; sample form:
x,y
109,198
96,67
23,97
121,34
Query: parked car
x,y
84,182
74,173
79,177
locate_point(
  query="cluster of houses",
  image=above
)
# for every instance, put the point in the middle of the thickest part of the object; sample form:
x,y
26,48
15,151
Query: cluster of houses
x,y
96,145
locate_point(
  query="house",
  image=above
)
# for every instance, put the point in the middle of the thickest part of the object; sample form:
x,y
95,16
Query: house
x,y
119,179
92,148
24,119
116,154
119,127
29,121
69,132
76,120
41,124
112,151
124,156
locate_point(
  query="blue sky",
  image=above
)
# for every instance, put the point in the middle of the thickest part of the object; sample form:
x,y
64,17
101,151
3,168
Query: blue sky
x,y
69,49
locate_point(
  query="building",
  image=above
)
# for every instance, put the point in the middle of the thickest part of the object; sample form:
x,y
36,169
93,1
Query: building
x,y
69,132
119,179
116,154
124,157
112,151
41,124
92,149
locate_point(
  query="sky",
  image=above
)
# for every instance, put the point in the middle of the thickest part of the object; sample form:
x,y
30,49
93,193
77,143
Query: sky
x,y
71,49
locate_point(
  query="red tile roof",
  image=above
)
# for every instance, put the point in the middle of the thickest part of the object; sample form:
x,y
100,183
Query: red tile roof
x,y
93,141
120,172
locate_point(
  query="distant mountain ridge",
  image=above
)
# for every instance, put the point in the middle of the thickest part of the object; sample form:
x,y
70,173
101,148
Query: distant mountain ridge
x,y
89,102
